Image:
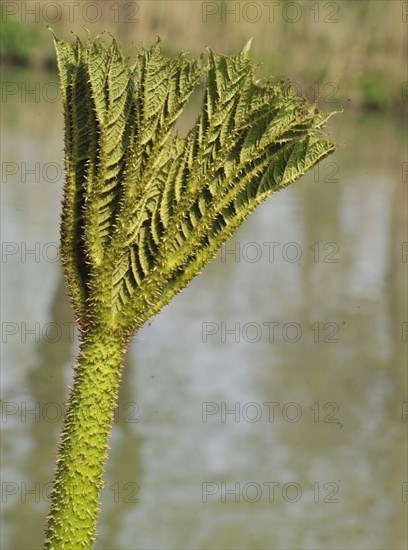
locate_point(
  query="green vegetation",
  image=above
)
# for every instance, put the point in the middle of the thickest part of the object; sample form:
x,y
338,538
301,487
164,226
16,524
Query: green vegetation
x,y
18,43
145,210
358,48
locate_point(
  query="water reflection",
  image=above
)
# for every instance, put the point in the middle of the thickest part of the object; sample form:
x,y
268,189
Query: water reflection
x,y
37,409
323,465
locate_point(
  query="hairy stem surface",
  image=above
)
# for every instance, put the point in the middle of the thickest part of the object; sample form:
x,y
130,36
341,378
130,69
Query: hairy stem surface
x,y
79,476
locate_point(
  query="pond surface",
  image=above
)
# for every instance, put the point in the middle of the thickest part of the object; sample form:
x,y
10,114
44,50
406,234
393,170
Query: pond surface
x,y
263,408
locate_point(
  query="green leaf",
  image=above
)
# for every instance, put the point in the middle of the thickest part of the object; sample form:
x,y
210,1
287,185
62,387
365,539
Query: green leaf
x,y
145,210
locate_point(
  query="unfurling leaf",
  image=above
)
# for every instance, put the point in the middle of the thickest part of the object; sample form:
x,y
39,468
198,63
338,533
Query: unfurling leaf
x,y
144,210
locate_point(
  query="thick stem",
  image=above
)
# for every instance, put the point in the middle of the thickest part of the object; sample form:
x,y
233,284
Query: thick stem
x,y
79,476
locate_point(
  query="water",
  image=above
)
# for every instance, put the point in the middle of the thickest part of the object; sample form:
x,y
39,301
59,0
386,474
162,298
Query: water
x,y
263,408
